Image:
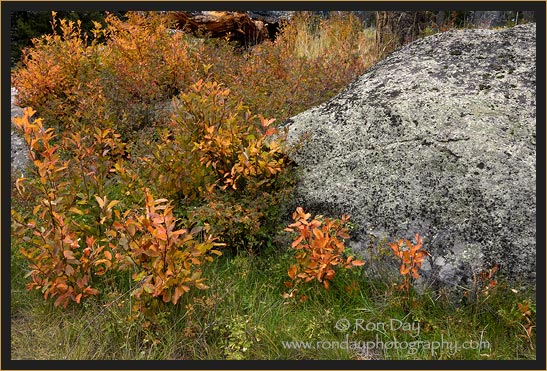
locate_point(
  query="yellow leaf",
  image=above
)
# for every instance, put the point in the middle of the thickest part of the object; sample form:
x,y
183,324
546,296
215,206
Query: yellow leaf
x,y
112,204
76,211
201,286
36,209
149,288
100,201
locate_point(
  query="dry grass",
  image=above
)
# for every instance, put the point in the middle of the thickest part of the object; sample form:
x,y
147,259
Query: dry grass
x,y
340,35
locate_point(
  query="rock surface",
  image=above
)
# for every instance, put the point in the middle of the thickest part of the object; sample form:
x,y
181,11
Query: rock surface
x,y
19,159
440,139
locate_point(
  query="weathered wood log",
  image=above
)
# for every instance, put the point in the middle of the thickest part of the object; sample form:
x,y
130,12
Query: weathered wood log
x,y
236,26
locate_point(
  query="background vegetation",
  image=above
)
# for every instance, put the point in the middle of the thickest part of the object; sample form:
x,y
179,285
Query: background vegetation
x,y
153,215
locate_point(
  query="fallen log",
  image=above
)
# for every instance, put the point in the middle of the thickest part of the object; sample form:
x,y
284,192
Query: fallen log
x,y
235,26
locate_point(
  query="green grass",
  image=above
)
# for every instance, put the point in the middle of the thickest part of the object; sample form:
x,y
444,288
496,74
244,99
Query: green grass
x,y
244,316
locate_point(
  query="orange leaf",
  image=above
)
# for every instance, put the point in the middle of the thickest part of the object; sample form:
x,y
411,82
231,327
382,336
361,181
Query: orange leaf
x,y
318,234
108,255
177,294
68,254
90,291
343,234
395,248
404,269
271,131
297,241
62,287
292,272
185,288
406,256
358,263
69,270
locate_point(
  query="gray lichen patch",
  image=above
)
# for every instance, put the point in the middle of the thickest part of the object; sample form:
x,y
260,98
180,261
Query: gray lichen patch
x,y
440,139
19,159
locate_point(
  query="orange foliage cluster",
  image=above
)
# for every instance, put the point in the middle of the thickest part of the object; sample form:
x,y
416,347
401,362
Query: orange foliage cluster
x,y
412,257
76,233
220,162
319,250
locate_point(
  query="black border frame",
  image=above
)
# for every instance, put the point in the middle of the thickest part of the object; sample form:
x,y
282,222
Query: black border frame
x,y
8,363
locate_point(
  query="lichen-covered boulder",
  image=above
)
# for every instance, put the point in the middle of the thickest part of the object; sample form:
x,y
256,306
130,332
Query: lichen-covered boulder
x,y
438,139
19,148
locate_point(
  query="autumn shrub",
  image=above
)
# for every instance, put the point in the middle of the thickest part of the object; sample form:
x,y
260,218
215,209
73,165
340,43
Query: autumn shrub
x,y
140,111
411,258
247,221
485,283
125,77
55,71
122,82
224,165
78,232
303,67
166,258
143,66
64,237
319,245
